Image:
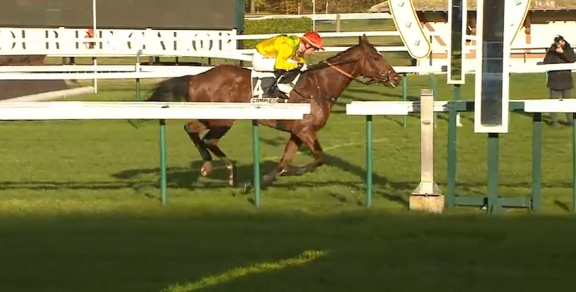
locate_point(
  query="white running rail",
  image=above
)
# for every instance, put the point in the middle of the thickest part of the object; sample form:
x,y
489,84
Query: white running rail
x,y
74,110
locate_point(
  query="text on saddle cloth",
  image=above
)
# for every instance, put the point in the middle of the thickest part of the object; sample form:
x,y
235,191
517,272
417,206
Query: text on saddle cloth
x,y
262,80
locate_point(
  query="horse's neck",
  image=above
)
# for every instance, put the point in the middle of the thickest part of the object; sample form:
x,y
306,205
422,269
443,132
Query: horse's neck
x,y
337,81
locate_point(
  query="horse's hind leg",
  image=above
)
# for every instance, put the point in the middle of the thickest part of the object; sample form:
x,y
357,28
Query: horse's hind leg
x,y
193,129
211,141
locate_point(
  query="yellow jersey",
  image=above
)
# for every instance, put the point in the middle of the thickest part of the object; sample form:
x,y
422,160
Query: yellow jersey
x,y
283,47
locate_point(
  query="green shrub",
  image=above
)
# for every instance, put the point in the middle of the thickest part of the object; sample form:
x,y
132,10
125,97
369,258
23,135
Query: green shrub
x,y
275,26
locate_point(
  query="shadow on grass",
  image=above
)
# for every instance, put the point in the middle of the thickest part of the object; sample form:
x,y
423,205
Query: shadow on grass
x,y
189,179
562,206
191,248
275,141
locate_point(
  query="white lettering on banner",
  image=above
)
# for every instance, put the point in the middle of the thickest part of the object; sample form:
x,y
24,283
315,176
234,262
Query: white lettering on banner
x,y
52,40
71,41
138,42
202,42
7,40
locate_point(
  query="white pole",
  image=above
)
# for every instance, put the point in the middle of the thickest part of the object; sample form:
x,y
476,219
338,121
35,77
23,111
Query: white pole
x,y
313,14
95,83
94,17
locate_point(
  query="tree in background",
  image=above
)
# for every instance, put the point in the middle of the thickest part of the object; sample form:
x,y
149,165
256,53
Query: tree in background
x,y
305,6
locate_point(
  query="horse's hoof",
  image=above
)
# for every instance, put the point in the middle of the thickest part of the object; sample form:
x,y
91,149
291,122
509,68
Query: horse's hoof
x,y
267,179
205,171
247,187
232,175
206,168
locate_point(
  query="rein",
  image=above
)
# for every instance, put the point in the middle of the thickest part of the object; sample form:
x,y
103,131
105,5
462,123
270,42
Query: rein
x,y
346,73
333,66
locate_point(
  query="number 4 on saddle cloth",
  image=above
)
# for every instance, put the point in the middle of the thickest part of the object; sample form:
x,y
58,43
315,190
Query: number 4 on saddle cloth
x,y
262,81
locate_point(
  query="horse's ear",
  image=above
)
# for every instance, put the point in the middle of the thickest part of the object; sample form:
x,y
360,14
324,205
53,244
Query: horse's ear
x,y
364,39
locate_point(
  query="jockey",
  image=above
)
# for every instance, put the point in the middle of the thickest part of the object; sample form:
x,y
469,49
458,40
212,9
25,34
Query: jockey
x,y
284,55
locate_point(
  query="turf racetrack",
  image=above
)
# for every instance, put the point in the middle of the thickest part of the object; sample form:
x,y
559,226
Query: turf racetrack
x,y
80,210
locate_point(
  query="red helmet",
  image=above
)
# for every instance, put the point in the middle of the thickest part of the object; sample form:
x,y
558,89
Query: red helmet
x,y
314,39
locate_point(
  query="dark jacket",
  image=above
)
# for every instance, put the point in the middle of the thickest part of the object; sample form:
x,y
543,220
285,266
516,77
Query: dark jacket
x,y
560,80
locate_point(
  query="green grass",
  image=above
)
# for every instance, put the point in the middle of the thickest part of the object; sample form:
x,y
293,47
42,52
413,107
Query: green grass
x,y
80,209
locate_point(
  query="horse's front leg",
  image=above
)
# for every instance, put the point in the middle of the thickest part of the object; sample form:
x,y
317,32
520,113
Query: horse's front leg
x,y
310,140
289,151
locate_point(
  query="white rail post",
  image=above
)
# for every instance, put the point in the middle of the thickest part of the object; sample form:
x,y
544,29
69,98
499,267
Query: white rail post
x,y
427,196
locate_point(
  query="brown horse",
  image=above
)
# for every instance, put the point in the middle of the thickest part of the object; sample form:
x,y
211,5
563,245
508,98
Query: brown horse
x,y
320,85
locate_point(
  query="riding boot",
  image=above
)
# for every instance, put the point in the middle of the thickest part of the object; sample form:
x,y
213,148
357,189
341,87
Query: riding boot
x,y
273,91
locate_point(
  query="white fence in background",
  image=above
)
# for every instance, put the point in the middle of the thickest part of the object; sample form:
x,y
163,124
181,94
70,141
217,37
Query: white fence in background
x,y
87,72
90,72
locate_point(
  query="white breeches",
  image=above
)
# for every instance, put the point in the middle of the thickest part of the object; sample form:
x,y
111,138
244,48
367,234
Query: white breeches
x,y
262,63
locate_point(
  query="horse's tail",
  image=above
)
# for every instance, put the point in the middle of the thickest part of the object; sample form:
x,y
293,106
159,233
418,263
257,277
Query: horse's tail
x,y
173,89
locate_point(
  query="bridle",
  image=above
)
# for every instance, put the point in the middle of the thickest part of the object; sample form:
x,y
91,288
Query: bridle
x,y
334,66
348,74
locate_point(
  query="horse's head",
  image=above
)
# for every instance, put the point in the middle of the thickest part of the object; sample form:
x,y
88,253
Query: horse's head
x,y
373,65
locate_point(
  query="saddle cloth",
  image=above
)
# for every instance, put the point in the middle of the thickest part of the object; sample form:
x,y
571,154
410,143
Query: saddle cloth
x,y
262,80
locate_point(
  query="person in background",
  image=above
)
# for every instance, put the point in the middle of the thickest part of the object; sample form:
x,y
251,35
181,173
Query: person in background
x,y
560,82
284,55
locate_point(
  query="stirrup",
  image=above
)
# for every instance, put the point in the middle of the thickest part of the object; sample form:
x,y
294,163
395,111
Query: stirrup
x,y
274,92
282,95
271,92
279,94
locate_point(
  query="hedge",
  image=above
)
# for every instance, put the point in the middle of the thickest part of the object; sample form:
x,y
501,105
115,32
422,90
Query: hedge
x,y
275,26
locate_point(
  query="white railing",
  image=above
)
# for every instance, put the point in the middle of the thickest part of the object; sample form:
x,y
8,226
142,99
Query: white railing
x,y
391,108
73,110
400,108
52,95
126,72
88,72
